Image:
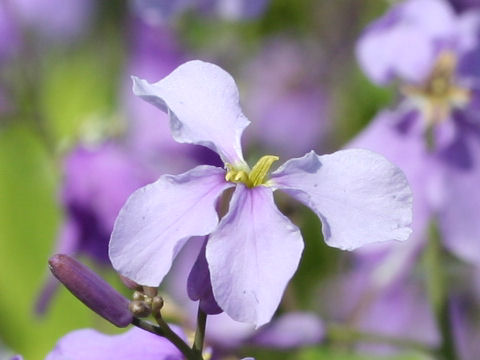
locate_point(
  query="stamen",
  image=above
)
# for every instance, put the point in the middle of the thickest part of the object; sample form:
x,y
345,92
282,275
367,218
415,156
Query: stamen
x,y
237,176
256,177
439,94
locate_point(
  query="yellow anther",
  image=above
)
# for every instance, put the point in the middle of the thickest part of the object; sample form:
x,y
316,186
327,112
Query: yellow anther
x,y
257,176
237,176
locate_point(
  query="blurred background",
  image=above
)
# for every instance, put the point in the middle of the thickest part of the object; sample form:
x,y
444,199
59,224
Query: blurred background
x,y
75,142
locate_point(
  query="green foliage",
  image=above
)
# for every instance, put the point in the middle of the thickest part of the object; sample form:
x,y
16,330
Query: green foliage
x,y
80,89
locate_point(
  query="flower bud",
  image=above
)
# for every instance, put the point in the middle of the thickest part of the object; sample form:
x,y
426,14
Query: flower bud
x,y
137,295
157,304
91,289
140,308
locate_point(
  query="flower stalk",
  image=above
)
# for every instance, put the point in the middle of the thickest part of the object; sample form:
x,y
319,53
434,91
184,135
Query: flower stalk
x,y
176,340
200,332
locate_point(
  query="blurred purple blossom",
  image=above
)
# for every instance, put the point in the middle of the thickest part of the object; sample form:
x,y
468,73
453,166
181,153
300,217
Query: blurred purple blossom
x,y
381,49
160,11
290,330
54,19
434,134
133,344
464,5
10,37
287,331
249,268
234,9
155,12
284,96
97,182
354,299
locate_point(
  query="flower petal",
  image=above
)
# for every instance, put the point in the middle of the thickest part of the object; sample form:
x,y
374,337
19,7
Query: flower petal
x,y
133,344
359,196
157,220
202,102
458,215
404,42
252,255
199,286
394,135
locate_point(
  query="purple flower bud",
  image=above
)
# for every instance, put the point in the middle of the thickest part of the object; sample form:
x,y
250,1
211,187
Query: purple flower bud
x,y
91,289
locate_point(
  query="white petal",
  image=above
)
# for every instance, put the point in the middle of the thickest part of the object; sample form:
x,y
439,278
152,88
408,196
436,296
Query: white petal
x,y
202,102
359,196
159,218
252,256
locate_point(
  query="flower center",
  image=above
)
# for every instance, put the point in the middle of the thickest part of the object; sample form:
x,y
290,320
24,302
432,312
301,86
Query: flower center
x,y
251,178
439,94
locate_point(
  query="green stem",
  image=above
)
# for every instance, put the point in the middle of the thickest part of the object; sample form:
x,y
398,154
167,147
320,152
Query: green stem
x,y
165,331
200,332
448,343
436,285
175,339
145,325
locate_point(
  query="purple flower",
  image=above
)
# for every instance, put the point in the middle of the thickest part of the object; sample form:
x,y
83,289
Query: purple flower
x,y
234,9
97,181
9,41
69,20
254,250
381,50
434,135
155,12
463,5
134,344
96,184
